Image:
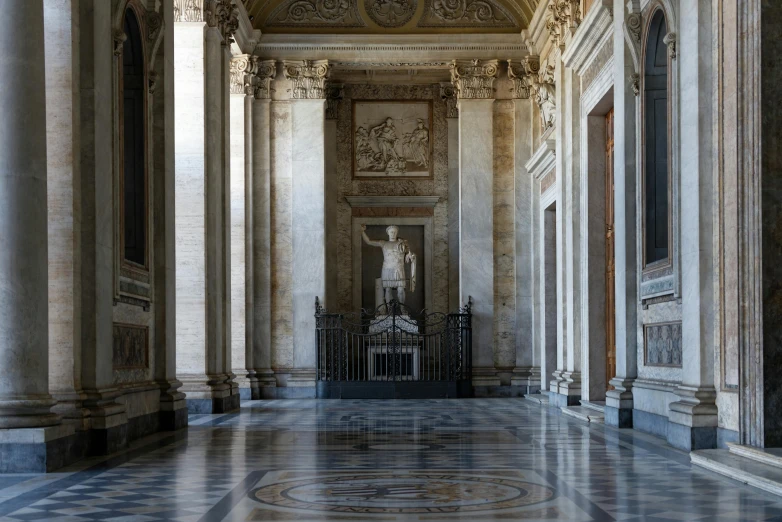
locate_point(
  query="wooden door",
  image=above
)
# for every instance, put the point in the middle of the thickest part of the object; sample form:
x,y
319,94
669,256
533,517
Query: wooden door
x,y
610,268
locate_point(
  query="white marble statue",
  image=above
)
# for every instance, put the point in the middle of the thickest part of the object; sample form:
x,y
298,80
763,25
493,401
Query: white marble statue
x,y
396,253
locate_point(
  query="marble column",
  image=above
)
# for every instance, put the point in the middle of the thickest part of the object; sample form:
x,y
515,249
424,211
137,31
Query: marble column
x,y
527,371
334,93
475,93
173,408
693,417
24,352
200,186
448,93
619,400
241,236
261,231
225,201
308,211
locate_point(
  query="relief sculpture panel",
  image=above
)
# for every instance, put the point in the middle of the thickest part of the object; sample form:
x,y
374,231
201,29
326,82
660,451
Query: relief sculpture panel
x,y
130,347
392,139
663,344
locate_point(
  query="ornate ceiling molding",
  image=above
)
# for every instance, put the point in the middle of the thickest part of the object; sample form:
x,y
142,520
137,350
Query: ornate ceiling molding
x,y
467,14
316,13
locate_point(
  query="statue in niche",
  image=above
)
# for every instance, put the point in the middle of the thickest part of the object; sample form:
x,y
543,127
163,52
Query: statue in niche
x,y
544,96
396,253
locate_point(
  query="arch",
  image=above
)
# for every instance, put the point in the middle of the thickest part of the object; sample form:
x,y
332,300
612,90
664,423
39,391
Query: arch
x,y
656,160
133,160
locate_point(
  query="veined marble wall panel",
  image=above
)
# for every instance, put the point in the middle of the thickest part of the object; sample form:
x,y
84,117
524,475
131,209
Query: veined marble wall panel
x,y
504,206
662,312
282,246
438,185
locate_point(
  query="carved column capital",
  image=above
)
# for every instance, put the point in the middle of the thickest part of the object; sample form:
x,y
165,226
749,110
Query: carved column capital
x,y
670,40
188,10
564,16
223,15
265,72
308,78
474,79
523,74
448,93
242,67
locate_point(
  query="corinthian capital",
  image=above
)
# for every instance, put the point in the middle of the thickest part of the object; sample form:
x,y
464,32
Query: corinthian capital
x,y
564,16
223,15
264,74
523,75
242,68
308,78
474,78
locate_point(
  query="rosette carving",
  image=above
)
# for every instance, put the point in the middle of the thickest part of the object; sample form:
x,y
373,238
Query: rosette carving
x,y
391,13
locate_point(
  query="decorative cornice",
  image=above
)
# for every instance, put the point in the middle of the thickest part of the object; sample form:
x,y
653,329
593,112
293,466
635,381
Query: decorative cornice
x,y
523,76
474,79
265,72
448,93
308,78
593,32
334,93
564,16
392,201
670,40
543,160
242,67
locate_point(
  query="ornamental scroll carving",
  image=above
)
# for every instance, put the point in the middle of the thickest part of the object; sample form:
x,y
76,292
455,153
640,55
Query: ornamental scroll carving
x,y
265,72
316,13
308,78
188,10
448,93
391,13
670,40
564,16
466,13
474,79
242,68
522,75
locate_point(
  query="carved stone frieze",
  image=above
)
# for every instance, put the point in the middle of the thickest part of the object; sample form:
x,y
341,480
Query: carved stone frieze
x,y
265,72
242,68
316,13
448,93
188,10
466,13
474,78
522,75
334,94
670,40
391,13
564,16
308,78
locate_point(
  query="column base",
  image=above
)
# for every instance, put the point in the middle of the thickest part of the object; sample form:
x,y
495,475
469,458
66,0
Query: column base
x,y
207,394
108,422
692,420
618,417
263,387
173,406
38,450
485,382
526,378
619,403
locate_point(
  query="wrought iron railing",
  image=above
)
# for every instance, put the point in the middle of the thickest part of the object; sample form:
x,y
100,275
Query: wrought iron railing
x,y
393,352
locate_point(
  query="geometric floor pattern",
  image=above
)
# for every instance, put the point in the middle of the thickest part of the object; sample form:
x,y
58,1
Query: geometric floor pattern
x,y
353,460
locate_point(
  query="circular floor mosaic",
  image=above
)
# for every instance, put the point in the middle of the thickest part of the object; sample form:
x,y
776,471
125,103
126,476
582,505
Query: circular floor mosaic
x,y
402,493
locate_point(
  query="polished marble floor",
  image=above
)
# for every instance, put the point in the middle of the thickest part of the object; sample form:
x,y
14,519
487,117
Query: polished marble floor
x,y
432,460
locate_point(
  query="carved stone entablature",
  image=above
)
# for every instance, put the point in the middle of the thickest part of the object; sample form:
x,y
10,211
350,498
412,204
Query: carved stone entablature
x,y
564,16
265,72
334,93
391,13
523,75
670,40
316,13
474,79
188,10
448,93
466,13
243,66
308,78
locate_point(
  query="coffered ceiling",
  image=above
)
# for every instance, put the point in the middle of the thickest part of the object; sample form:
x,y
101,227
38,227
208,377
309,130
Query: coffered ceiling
x,y
390,16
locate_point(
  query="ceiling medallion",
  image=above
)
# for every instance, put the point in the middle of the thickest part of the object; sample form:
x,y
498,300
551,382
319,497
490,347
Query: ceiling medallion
x,y
391,13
